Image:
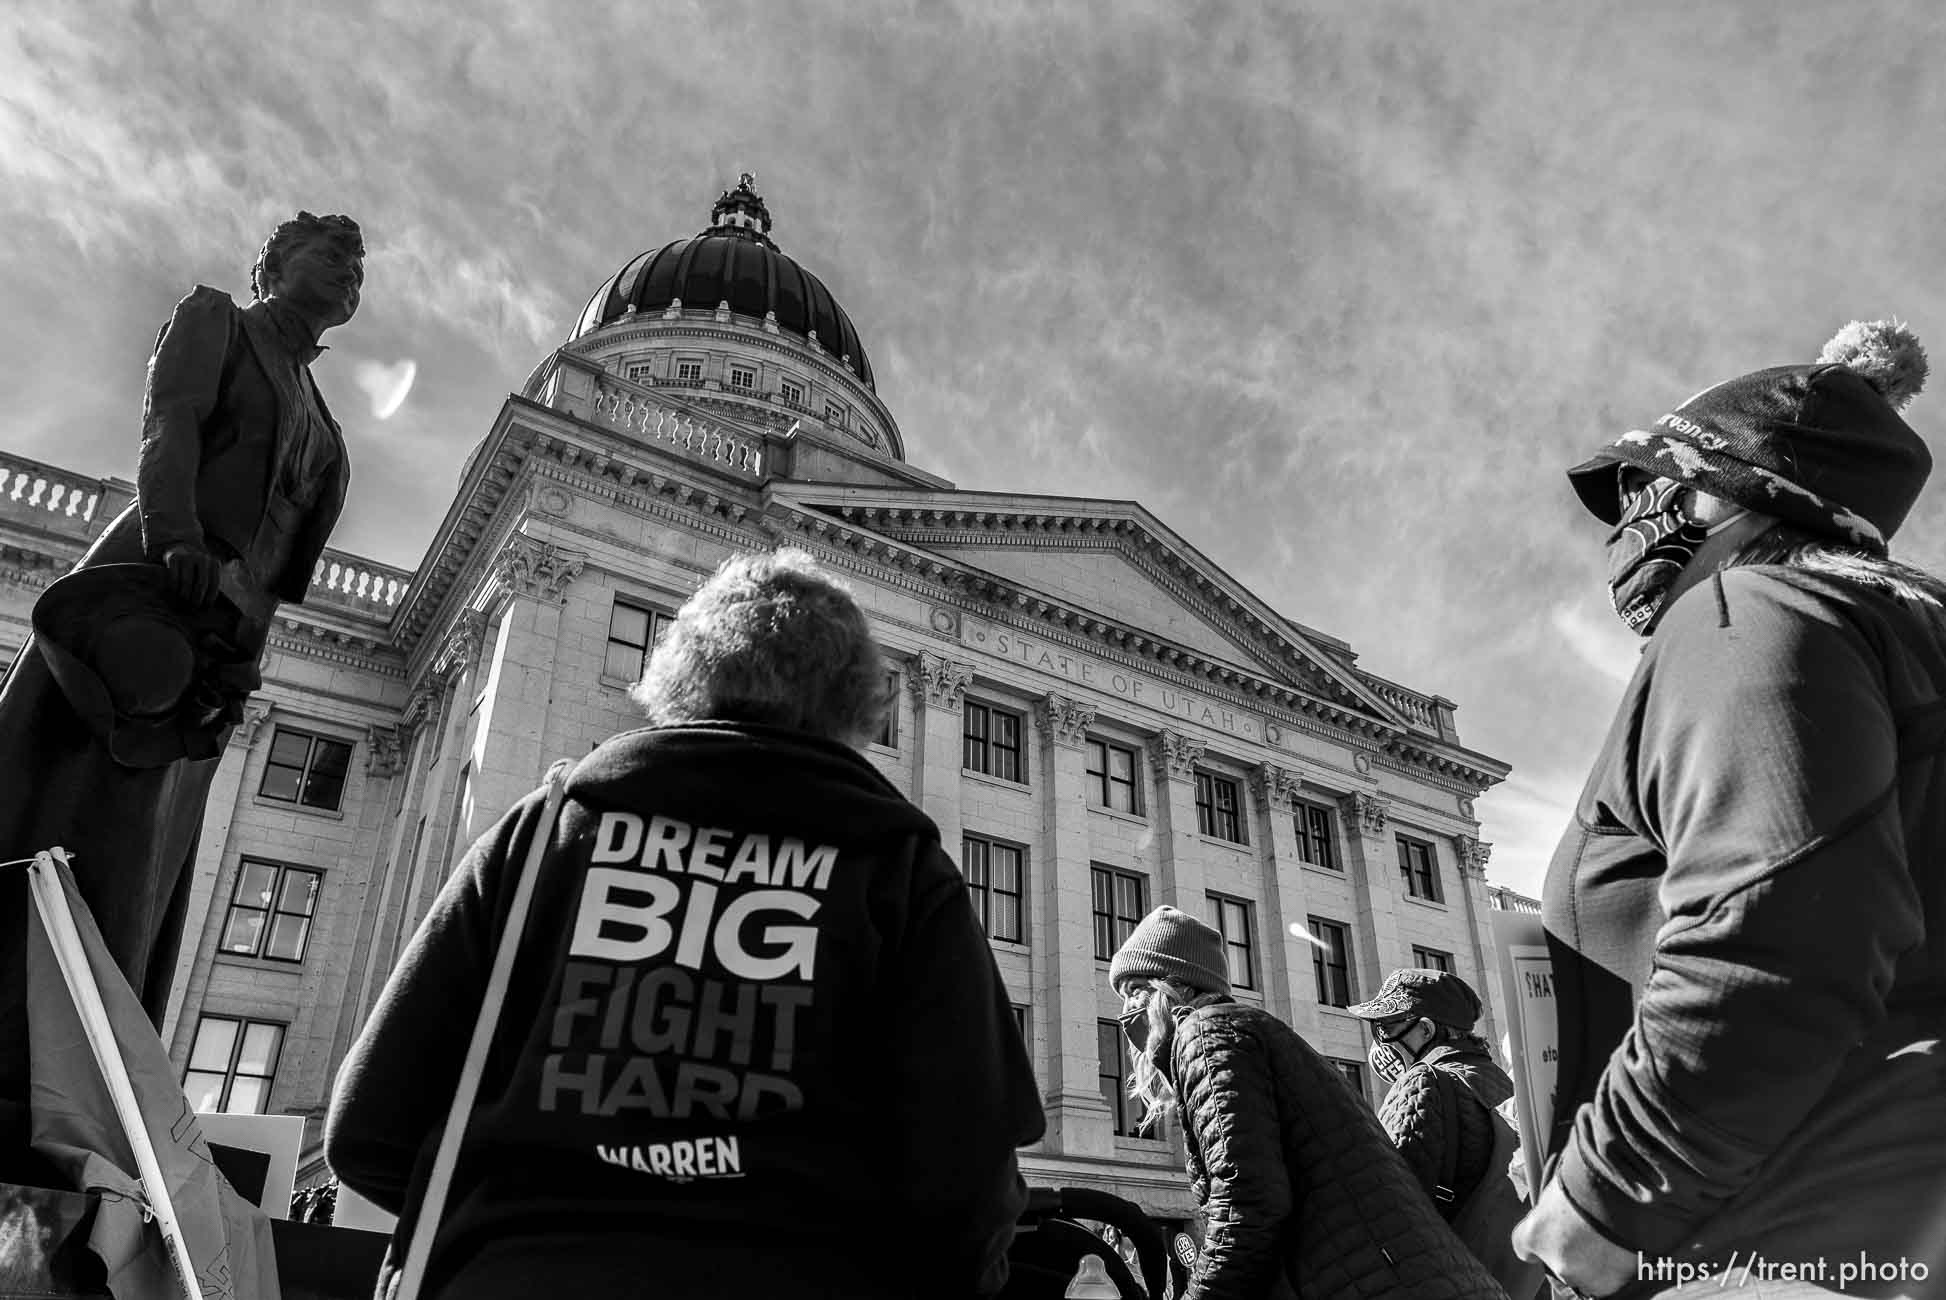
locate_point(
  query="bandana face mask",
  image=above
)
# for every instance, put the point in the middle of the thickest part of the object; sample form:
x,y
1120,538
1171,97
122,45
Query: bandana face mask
x,y
1655,541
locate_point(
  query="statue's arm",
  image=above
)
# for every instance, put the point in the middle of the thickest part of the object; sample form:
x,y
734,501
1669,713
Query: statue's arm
x,y
185,376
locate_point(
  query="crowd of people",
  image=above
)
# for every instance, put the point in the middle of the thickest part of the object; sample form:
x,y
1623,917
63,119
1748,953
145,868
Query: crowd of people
x,y
744,1036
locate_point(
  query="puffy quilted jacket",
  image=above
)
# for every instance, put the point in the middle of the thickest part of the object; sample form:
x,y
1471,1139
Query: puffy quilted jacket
x,y
1414,1115
1297,1182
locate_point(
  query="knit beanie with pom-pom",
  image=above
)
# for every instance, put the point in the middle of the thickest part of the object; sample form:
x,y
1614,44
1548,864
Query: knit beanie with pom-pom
x,y
1818,445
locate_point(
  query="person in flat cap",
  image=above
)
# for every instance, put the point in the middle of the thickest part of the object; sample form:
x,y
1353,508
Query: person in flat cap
x,y
1747,918
114,715
1441,1111
1298,1185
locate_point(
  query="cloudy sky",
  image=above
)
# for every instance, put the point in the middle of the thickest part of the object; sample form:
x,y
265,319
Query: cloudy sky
x,y
1336,290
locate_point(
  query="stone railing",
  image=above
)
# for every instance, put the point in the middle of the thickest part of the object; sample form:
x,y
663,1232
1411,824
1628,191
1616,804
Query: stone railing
x,y
345,581
1420,710
635,409
58,499
1504,899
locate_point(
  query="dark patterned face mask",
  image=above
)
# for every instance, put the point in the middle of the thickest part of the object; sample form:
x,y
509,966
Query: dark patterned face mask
x,y
1648,549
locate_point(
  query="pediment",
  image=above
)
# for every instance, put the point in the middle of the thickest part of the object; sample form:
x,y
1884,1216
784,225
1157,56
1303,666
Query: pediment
x,y
1113,568
1111,584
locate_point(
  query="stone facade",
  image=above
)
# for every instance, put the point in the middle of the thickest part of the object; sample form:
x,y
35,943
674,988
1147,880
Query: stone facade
x,y
456,683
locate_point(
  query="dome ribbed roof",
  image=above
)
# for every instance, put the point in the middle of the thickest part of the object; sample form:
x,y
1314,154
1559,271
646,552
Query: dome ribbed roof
x,y
733,261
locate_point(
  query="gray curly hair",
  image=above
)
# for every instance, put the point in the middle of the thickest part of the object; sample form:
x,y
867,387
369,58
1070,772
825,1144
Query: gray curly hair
x,y
771,638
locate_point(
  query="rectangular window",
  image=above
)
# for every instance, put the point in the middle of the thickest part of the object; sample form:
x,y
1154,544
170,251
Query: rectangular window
x,y
993,742
1112,772
633,631
1233,920
271,910
231,1065
1121,901
1020,1023
1317,841
743,378
1112,1048
888,731
641,372
996,879
306,770
1331,961
1432,959
689,372
1354,1076
834,413
1420,868
791,392
1219,807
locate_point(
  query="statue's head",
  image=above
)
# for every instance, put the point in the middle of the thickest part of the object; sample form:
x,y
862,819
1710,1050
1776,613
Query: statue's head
x,y
327,252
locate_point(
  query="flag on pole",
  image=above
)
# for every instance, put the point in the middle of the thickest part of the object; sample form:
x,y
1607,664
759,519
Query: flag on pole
x,y
109,1112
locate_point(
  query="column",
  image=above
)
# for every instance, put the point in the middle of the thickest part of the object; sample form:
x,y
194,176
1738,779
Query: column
x,y
1078,1120
1287,957
1173,758
508,751
1473,855
1372,863
226,791
938,686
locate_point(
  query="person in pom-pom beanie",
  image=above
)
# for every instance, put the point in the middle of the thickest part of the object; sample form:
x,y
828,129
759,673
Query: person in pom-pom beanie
x,y
1298,1185
1747,919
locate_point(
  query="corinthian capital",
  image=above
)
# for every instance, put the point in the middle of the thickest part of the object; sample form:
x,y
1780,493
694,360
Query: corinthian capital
x,y
1276,786
1064,721
1473,855
385,749
1174,753
1366,811
540,570
940,682
461,649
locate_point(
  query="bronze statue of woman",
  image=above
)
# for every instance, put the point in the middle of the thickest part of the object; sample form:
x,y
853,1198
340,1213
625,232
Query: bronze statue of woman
x,y
114,715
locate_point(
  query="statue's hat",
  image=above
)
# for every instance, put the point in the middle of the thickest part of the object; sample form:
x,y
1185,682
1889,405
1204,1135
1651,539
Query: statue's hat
x,y
153,679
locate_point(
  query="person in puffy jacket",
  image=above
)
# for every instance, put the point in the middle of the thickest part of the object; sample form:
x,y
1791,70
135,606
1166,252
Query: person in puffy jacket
x,y
755,1042
1299,1188
1423,1044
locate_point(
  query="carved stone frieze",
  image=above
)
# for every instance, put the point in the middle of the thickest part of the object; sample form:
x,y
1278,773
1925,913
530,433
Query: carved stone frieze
x,y
1473,855
540,570
1064,721
1276,786
1366,811
1175,754
940,683
385,750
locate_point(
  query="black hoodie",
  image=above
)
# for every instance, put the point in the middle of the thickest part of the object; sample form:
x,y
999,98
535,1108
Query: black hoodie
x,y
755,1041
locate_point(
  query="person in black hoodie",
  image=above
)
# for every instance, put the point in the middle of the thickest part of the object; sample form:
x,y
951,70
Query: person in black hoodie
x,y
755,1044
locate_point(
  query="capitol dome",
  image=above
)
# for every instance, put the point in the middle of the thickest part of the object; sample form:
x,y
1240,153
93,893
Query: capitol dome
x,y
733,262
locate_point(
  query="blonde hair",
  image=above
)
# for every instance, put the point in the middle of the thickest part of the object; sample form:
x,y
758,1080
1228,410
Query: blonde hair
x,y
1799,548
771,638
1148,1083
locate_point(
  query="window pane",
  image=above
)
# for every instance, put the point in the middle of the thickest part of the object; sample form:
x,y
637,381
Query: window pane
x,y
247,1096
629,624
215,1038
623,662
287,938
324,790
241,935
259,1055
204,1090
1006,870
254,884
300,892
280,782
1006,918
289,748
330,758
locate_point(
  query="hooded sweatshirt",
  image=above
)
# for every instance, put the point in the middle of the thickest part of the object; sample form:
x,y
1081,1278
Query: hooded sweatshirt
x,y
753,1016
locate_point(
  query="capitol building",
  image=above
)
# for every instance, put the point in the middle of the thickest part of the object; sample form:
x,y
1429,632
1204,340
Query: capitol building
x,y
1097,716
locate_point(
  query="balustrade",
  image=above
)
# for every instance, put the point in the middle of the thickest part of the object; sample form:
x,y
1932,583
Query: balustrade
x,y
631,409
